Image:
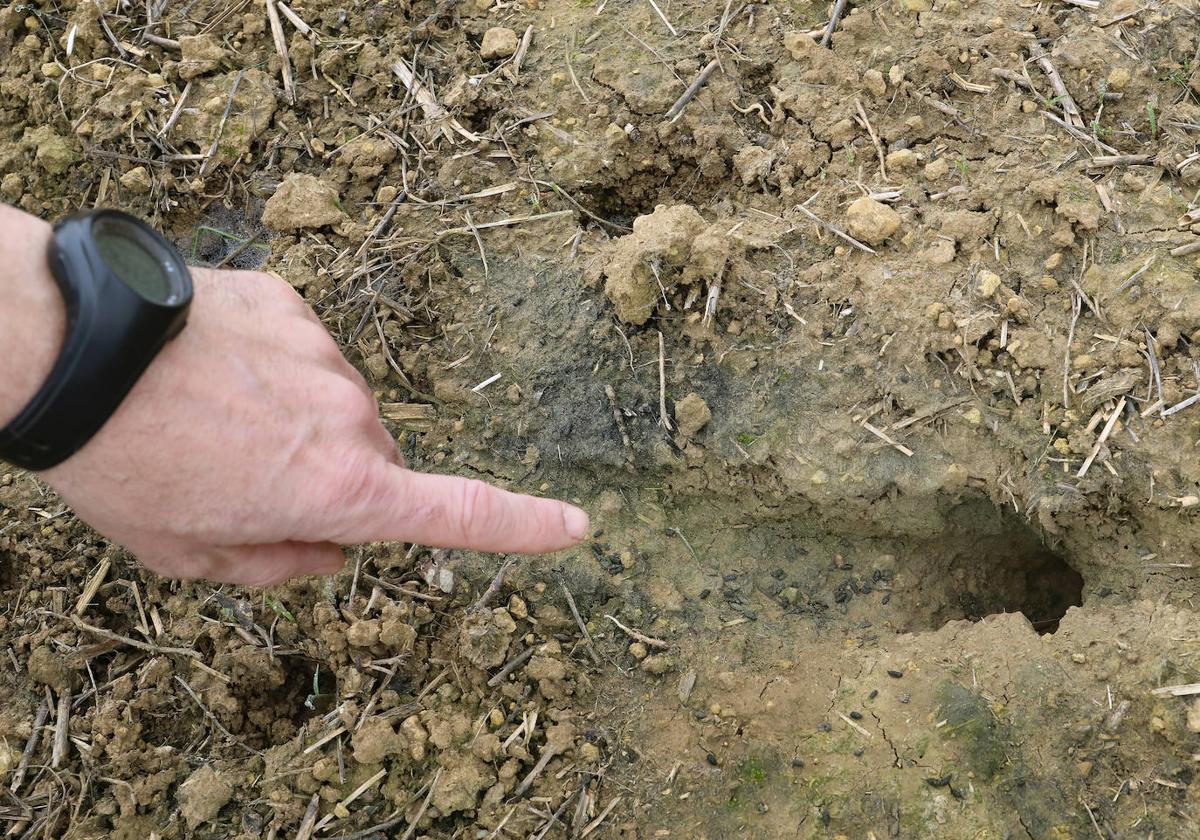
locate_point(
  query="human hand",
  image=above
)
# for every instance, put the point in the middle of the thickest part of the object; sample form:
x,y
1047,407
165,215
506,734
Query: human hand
x,y
250,450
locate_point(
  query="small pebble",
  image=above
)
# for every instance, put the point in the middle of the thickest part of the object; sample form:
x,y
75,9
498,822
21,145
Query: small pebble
x,y
892,672
711,759
856,716
797,762
823,727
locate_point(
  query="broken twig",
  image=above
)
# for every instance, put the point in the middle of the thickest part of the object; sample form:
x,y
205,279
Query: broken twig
x,y
587,637
639,636
841,234
700,81
494,589
839,8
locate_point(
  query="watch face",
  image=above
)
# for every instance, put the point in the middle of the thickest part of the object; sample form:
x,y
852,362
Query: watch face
x,y
138,260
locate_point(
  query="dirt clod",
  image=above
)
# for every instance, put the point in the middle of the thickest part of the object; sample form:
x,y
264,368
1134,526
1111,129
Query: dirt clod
x,y
498,42
874,83
657,665
651,259
460,784
375,740
871,221
54,153
485,636
203,796
48,668
201,54
138,180
363,633
300,202
692,414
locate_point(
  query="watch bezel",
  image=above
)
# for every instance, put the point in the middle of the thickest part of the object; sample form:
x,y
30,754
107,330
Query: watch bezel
x,y
150,241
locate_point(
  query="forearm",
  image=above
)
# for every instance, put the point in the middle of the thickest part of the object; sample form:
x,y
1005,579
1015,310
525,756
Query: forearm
x,y
32,314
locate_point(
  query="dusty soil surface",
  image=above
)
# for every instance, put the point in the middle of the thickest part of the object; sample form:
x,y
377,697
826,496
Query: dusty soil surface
x,y
874,361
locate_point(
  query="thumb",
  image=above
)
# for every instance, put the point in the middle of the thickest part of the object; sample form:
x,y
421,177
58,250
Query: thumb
x,y
451,512
269,565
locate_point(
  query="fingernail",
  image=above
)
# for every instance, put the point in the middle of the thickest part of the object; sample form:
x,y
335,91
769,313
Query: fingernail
x,y
576,521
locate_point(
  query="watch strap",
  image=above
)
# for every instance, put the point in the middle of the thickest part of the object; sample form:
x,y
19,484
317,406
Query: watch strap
x,y
112,336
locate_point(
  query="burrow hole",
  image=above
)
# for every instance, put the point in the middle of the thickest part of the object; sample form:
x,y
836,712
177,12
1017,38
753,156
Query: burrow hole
x,y
988,561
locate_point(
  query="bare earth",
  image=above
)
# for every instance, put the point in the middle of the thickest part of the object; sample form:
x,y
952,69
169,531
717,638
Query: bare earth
x,y
895,526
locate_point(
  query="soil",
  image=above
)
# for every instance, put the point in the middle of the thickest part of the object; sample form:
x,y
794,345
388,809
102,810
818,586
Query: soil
x,y
872,361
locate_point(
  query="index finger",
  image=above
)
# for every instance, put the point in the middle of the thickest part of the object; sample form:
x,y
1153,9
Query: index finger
x,y
451,512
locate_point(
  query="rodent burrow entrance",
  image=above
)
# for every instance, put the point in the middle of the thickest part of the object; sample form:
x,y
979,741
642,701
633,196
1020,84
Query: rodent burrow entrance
x,y
987,562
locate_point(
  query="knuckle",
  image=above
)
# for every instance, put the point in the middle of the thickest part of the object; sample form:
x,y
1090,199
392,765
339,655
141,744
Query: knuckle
x,y
263,578
346,401
478,510
355,483
358,407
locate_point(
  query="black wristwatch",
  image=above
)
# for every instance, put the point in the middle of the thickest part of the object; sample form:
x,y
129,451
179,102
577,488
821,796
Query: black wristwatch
x,y
127,292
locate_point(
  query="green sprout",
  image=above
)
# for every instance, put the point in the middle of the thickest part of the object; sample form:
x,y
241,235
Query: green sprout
x,y
217,232
279,609
310,702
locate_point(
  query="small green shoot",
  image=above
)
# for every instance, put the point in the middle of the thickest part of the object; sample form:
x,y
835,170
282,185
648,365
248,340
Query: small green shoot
x,y
754,771
279,609
217,232
310,702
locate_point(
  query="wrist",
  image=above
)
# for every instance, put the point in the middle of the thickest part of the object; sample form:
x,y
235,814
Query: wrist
x,y
32,312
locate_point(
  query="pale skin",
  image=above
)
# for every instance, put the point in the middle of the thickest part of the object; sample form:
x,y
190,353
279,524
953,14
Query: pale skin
x,y
250,451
